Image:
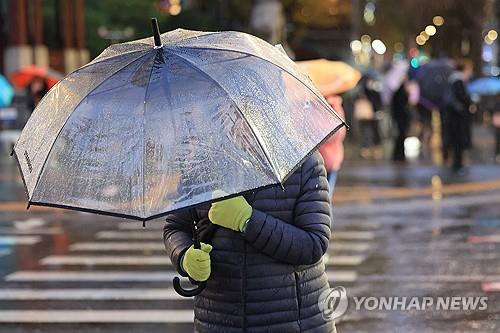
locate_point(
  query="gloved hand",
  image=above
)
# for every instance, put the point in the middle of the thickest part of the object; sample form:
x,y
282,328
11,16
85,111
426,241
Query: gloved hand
x,y
231,213
196,262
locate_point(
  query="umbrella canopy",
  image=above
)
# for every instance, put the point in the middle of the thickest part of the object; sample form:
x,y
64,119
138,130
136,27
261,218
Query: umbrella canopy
x,y
6,92
23,77
485,86
145,129
330,77
433,81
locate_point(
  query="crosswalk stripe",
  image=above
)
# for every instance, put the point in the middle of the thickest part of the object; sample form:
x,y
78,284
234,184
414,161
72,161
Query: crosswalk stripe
x,y
118,246
159,246
94,276
96,316
130,276
106,260
342,276
129,235
115,260
132,225
341,260
337,246
353,235
39,231
19,240
430,278
90,294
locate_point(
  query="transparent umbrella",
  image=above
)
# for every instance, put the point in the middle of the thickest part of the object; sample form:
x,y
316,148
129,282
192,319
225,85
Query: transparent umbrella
x,y
160,124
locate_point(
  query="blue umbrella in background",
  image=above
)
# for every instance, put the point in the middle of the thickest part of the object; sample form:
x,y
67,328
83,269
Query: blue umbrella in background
x,y
485,86
6,92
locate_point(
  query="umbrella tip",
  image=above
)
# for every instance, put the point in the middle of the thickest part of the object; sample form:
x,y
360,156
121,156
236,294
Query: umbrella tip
x,y
156,32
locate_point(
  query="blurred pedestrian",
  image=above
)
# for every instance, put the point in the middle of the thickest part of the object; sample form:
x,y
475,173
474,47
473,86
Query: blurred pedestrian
x,y
36,90
457,117
401,117
364,114
495,121
333,149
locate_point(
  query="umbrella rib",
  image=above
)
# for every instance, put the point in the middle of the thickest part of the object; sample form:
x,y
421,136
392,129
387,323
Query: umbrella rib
x,y
143,126
69,116
321,98
195,67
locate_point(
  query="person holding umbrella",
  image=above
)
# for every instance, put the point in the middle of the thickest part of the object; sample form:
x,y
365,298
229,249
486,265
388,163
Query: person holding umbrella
x,y
264,262
220,134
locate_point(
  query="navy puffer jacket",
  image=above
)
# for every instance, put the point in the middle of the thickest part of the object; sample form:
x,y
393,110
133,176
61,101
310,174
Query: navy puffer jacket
x,y
268,278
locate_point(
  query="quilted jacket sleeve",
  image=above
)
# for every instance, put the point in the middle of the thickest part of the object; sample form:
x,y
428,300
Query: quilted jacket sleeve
x,y
307,239
177,236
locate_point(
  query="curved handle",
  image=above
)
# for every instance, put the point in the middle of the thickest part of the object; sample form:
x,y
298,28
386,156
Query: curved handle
x,y
188,292
201,284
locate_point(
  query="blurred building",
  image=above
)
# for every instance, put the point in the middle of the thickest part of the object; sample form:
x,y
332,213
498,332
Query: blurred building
x,y
22,37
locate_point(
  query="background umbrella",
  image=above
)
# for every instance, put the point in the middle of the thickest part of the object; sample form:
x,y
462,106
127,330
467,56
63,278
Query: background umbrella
x,y
485,86
330,77
6,92
393,79
147,128
433,81
23,77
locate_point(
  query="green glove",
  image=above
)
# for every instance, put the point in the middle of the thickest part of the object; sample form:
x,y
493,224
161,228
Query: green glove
x,y
196,262
231,213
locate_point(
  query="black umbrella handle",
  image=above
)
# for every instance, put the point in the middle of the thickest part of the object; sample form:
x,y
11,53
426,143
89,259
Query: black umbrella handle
x,y
201,284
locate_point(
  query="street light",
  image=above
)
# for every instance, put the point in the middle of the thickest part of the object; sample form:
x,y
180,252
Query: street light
x,y
438,20
378,46
420,40
430,30
356,46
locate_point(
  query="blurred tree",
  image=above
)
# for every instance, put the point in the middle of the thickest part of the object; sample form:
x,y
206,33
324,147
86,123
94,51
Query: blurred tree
x,y
199,15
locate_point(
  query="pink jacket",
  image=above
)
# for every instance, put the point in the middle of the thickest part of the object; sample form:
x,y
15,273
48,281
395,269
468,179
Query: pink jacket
x,y
333,149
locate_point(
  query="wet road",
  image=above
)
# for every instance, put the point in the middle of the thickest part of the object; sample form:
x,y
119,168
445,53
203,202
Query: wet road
x,y
64,271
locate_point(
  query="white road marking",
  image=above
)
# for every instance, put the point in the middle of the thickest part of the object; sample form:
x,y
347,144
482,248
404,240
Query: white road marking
x,y
341,276
90,294
107,260
353,235
131,276
118,246
430,278
129,235
94,276
338,260
29,223
19,240
39,231
132,225
96,316
117,260
337,246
